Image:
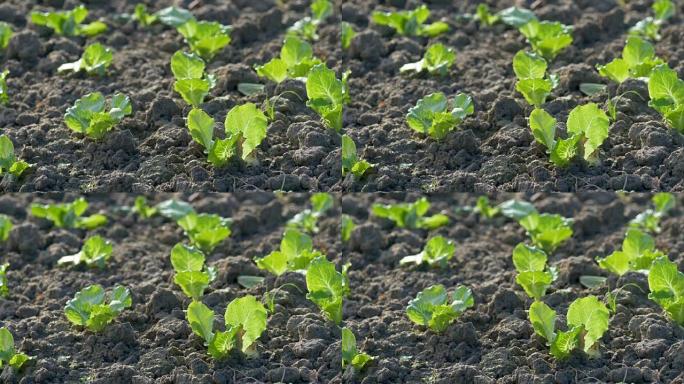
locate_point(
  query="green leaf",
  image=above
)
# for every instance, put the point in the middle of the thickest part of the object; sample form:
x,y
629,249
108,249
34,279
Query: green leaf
x,y
665,282
547,231
141,207
143,17
95,61
68,23
201,320
346,35
321,9
565,151
516,17
547,38
410,23
174,209
438,60
663,9
543,127
516,209
430,115
347,227
7,345
4,90
410,215
8,160
437,252
5,227
275,70
528,65
420,309
201,127
327,287
593,123
565,343
349,350
248,122
174,16
205,231
193,91
535,91
665,89
88,307
483,207
68,215
535,283
88,115
327,95
617,70
247,315
205,38
663,202
543,320
529,259
485,17
430,307
296,252
5,34
193,283
186,259
187,66
94,253
592,315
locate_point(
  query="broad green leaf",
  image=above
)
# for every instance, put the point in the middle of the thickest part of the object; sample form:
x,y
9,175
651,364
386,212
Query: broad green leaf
x,y
665,282
193,283
95,253
663,202
663,9
617,70
327,95
592,315
141,15
420,309
174,16
201,127
535,283
548,38
543,127
565,150
516,209
95,60
186,259
349,350
187,66
543,320
437,61
205,231
535,91
547,231
248,315
174,209
528,65
193,91
5,34
529,259
591,122
250,123
410,23
275,70
321,9
7,345
437,252
565,343
483,14
516,17
201,320
89,116
665,89
205,38
347,34
327,287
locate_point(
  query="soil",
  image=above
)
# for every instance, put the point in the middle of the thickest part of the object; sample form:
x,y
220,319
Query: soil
x,y
493,150
152,149
491,343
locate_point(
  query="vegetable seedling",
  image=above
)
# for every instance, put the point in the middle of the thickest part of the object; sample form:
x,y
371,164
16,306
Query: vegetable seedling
x,y
533,84
4,90
350,159
484,208
437,253
327,287
666,284
205,38
431,115
295,61
534,276
174,209
69,23
437,61
205,230
346,227
346,35
95,60
484,16
547,38
410,23
8,352
191,82
433,308
192,276
69,215
295,254
141,207
5,227
327,95
350,353
8,160
173,16
516,17
649,27
5,34
89,115
95,252
245,321
307,28
93,309
307,220
411,215
144,18
638,61
637,254
649,220
547,231
4,283
666,91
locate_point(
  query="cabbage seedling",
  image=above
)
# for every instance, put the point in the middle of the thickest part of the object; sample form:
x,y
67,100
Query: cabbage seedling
x,y
649,27
438,60
295,254
350,159
346,35
173,16
4,90
5,34
516,17
533,84
94,253
327,95
205,38
307,220
547,38
350,353
69,23
8,160
666,284
346,227
4,283
8,352
410,23
95,61
547,231
638,61
143,209
649,220
192,276
484,16
245,321
534,275
411,215
295,61
437,253
89,116
5,227
191,82
205,230
431,115
327,287
93,309
666,91
484,208
307,28
69,215
637,254
143,17
433,308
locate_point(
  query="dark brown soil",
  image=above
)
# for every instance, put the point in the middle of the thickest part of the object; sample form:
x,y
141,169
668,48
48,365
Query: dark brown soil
x,y
494,149
493,342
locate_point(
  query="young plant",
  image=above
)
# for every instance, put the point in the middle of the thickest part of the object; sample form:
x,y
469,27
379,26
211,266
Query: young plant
x,y
411,23
534,275
638,61
93,309
411,215
327,287
437,253
431,115
547,231
307,28
4,283
205,38
587,319
89,115
533,84
8,160
94,253
346,35
192,276
431,307
205,230
69,23
295,61
650,27
547,38
438,60
327,95
69,215
637,254
295,254
173,16
143,209
307,220
350,353
516,17
346,227
8,352
350,159
174,209
191,82
5,34
666,284
649,220
484,208
5,227
245,321
666,91
95,61
587,126
4,90
144,18
484,16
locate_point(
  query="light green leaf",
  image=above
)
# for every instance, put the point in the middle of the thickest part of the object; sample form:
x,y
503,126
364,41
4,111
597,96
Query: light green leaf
x,y
528,65
249,316
591,314
543,320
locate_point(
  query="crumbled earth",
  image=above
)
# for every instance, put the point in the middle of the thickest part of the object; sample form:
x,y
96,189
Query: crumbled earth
x,y
493,150
492,342
152,149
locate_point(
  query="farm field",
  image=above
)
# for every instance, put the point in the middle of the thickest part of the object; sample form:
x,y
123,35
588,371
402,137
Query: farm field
x,y
488,339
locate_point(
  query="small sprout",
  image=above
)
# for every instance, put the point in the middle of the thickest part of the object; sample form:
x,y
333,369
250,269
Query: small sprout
x,y
174,209
205,230
411,215
8,352
143,17
95,61
94,253
89,116
4,283
516,17
431,115
321,9
327,287
637,254
350,353
663,9
8,160
411,23
143,209
666,284
69,215
4,90
192,276
245,321
307,220
205,38
5,227
438,60
295,254
174,17
350,159
638,61
5,34
69,23
547,231
534,276
191,82
484,16
346,35
347,226
483,207
93,309
547,38
649,220
327,95
431,307
306,28
666,91
296,60
437,253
